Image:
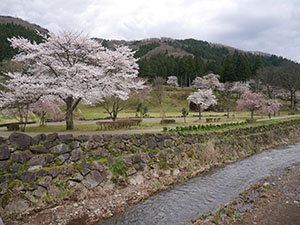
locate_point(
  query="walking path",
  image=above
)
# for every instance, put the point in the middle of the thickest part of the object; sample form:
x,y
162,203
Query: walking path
x,y
135,131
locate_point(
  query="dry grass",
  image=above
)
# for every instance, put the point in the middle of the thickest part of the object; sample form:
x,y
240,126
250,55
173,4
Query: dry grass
x,y
209,153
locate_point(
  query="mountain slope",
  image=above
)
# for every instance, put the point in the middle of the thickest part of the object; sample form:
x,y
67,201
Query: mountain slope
x,y
23,23
163,57
14,27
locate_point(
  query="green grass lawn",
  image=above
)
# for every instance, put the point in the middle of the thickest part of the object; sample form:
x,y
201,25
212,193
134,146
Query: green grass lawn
x,y
148,125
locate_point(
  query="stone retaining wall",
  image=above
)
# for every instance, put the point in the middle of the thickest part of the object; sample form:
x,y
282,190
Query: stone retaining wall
x,y
47,168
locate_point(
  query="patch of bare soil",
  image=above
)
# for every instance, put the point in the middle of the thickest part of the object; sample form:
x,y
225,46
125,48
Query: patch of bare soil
x,y
273,201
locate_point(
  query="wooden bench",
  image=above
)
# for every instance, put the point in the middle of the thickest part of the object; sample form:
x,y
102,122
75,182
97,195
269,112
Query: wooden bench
x,y
109,125
208,120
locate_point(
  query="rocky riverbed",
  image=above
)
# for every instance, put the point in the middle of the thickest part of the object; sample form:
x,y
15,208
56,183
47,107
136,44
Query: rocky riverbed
x,y
275,200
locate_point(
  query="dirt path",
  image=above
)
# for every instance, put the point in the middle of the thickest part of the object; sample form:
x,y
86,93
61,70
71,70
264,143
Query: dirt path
x,y
273,201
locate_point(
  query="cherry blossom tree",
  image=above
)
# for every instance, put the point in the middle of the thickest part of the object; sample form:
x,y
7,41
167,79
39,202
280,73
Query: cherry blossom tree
x,y
240,87
203,99
208,81
20,91
251,101
114,104
47,104
227,100
76,68
172,81
271,106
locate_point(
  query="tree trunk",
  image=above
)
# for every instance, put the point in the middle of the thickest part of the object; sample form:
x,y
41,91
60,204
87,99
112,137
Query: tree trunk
x,y
199,112
69,119
292,100
227,113
184,119
295,102
69,112
252,114
269,115
114,116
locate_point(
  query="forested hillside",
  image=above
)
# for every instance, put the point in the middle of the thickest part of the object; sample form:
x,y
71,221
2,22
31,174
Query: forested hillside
x,y
201,57
10,30
163,57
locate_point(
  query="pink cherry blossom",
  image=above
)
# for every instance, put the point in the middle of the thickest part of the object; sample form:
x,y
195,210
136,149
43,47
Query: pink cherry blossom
x,y
251,101
203,99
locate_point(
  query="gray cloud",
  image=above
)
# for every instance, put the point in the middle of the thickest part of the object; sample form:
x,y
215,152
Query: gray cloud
x,y
271,26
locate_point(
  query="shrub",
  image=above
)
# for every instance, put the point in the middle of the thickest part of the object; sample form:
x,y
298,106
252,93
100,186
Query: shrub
x,y
167,121
118,167
13,127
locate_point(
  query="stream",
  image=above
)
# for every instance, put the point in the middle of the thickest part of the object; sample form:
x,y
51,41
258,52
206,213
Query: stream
x,y
182,202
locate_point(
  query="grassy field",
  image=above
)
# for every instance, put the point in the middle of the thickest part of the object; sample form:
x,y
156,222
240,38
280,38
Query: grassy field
x,y
148,125
173,101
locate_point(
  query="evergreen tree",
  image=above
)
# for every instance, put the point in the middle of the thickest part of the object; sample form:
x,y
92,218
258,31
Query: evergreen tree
x,y
258,64
243,68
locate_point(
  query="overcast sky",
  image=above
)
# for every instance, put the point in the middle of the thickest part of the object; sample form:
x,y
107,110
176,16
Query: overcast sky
x,y
271,26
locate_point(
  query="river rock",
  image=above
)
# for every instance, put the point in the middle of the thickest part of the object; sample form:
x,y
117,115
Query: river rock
x,y
38,138
107,137
60,149
145,158
76,155
17,167
66,138
4,152
54,172
49,144
39,150
136,159
75,144
40,160
98,166
27,176
139,167
176,172
36,167
137,180
67,170
151,143
4,165
93,179
53,191
20,141
18,205
128,161
84,171
63,158
82,138
117,138
77,177
20,157
3,188
40,192
52,137
2,140
90,145
45,182
41,173
131,171
98,152
97,138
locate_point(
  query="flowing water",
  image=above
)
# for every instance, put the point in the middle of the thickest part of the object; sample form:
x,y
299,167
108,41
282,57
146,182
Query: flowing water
x,y
182,202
